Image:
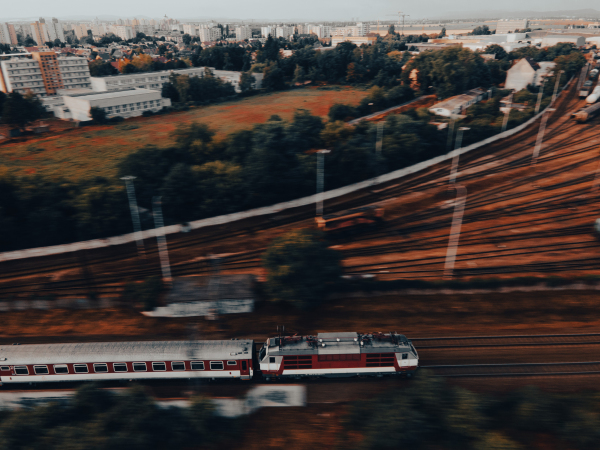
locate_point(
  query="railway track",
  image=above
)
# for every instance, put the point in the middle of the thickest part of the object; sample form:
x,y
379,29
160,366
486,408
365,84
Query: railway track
x,y
555,369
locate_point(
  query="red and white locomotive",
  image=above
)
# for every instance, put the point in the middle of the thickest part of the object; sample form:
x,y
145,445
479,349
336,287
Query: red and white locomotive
x,y
339,354
40,363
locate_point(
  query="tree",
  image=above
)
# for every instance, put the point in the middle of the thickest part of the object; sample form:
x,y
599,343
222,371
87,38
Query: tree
x,y
496,50
392,30
271,49
187,39
98,114
273,77
99,68
443,33
143,62
20,110
247,81
481,31
301,268
299,75
29,42
170,91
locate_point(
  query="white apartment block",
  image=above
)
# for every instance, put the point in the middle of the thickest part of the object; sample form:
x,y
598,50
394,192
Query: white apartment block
x,y
54,29
39,33
284,32
80,30
192,30
243,32
267,31
125,103
44,74
155,80
4,33
99,30
125,32
210,34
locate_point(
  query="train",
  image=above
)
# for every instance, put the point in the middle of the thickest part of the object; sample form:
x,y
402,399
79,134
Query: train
x,y
585,89
351,220
337,354
587,113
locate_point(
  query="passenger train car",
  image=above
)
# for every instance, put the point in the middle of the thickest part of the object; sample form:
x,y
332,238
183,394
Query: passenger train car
x,y
339,354
126,361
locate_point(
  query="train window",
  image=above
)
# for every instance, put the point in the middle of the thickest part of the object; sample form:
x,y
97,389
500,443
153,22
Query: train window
x,y
4,368
159,366
139,367
177,366
80,368
61,369
272,359
40,370
120,367
216,365
197,365
231,363
100,368
404,355
21,370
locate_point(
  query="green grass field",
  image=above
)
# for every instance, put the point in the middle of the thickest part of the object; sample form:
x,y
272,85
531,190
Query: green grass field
x,y
77,154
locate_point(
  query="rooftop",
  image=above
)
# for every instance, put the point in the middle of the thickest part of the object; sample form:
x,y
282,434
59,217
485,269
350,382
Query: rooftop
x,y
126,92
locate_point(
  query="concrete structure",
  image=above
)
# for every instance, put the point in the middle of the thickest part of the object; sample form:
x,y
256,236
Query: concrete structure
x,y
267,31
13,34
124,32
243,32
39,33
359,40
54,29
210,34
125,103
80,30
190,29
508,26
44,74
458,103
284,32
525,72
554,39
155,80
4,34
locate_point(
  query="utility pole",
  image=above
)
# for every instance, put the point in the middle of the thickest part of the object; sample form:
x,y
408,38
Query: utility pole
x,y
450,133
320,179
505,122
540,137
135,214
540,93
459,209
556,87
403,16
161,240
457,146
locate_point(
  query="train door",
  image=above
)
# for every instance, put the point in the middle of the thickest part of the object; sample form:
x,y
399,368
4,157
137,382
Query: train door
x,y
245,369
404,360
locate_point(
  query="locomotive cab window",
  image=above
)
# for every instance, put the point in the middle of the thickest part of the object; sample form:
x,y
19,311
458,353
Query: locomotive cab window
x,y
139,366
100,368
197,365
231,363
61,369
404,355
177,366
21,370
216,365
120,367
4,368
159,366
80,368
272,359
40,370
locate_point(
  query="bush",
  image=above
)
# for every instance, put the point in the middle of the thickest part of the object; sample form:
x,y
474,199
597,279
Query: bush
x,y
301,268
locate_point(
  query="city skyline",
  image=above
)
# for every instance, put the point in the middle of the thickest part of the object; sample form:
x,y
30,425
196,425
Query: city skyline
x,y
270,10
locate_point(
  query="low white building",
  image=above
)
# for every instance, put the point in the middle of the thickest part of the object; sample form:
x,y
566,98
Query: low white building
x,y
526,72
124,103
554,39
155,80
458,103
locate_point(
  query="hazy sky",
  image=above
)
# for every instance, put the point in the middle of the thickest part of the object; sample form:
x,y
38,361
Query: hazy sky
x,y
273,9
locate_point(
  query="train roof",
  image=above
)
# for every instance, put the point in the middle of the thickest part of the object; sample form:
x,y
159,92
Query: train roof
x,y
124,351
338,343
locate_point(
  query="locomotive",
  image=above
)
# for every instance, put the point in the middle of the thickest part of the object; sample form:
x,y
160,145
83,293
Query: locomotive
x,y
339,354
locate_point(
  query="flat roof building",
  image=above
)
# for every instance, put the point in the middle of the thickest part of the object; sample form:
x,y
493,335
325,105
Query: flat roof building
x,y
125,103
458,103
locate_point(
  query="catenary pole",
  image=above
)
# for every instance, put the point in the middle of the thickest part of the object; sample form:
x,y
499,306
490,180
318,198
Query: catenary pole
x,y
459,209
455,158
540,137
159,227
320,179
135,214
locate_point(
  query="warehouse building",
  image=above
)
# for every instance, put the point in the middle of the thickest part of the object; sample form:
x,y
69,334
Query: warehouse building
x,y
525,72
459,103
126,103
554,39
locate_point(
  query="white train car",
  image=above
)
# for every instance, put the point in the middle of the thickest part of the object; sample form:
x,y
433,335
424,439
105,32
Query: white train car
x,y
42,363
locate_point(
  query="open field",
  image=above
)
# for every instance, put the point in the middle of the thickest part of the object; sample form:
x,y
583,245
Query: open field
x,y
87,152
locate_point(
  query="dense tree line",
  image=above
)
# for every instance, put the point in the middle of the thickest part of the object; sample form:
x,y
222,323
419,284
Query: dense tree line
x,y
98,419
185,88
431,414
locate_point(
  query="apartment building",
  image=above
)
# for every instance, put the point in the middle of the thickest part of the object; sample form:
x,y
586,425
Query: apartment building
x,y
243,32
155,80
39,33
4,34
190,29
54,29
125,32
284,32
210,34
267,31
128,102
44,74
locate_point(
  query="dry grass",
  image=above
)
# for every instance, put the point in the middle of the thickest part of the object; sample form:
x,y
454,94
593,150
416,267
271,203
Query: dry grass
x,y
79,154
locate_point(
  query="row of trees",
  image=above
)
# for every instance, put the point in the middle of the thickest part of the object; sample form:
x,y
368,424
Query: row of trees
x,y
185,88
18,110
433,414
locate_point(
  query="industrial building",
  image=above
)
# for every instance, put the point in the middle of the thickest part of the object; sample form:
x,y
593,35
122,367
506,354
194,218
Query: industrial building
x,y
554,39
155,80
457,104
525,72
510,26
125,103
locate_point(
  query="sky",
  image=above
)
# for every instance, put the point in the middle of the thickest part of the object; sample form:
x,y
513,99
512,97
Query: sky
x,y
284,10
